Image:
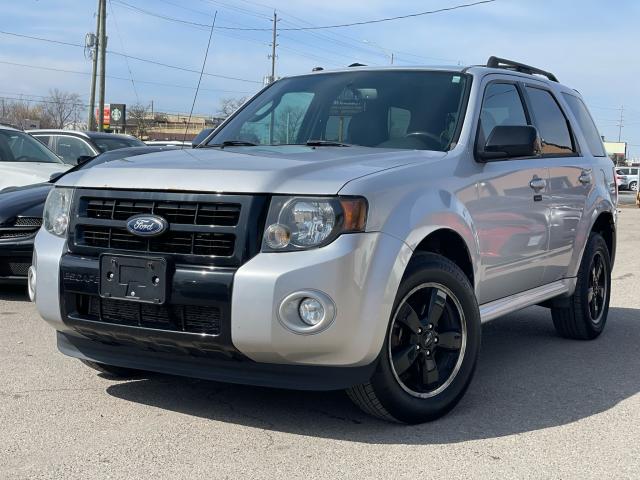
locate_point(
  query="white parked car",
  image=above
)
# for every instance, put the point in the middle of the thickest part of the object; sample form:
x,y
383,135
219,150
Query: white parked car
x,y
24,160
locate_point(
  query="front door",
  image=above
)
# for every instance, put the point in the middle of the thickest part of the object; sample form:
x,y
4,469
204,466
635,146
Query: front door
x,y
511,211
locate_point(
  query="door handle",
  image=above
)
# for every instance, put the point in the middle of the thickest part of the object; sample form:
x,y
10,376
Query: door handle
x,y
538,184
585,177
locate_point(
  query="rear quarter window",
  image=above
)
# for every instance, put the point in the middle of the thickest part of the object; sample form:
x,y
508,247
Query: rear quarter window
x,y
587,125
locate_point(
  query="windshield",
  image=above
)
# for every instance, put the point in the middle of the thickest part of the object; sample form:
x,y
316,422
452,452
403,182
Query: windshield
x,y
19,147
382,109
106,144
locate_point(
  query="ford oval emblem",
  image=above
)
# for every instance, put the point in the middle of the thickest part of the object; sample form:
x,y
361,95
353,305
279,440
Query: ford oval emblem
x,y
147,225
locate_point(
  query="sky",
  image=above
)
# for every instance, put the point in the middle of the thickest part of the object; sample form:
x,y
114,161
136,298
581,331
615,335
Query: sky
x,y
590,45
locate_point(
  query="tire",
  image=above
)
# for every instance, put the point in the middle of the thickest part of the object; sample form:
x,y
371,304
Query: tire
x,y
633,186
449,318
584,316
112,370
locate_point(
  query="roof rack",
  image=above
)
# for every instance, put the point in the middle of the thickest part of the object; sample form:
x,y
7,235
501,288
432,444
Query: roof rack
x,y
496,62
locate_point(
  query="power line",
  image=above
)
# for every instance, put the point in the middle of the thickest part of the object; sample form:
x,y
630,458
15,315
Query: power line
x,y
140,59
321,27
204,64
112,77
115,22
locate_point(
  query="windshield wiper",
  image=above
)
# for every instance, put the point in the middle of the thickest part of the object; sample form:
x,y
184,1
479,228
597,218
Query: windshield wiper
x,y
233,143
325,143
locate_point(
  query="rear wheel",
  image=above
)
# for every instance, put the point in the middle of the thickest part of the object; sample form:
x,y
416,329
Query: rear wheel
x,y
585,314
633,186
112,370
431,347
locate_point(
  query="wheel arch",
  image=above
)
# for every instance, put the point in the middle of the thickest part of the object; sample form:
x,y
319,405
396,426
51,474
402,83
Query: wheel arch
x,y
605,225
451,245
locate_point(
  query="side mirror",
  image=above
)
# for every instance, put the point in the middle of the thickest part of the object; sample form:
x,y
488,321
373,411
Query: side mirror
x,y
84,159
511,141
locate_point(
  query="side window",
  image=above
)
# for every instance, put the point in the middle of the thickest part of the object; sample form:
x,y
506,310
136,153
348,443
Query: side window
x,y
588,127
551,123
501,105
279,125
70,148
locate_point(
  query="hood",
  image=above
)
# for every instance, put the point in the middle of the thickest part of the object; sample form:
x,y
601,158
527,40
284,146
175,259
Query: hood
x,y
17,174
23,201
269,169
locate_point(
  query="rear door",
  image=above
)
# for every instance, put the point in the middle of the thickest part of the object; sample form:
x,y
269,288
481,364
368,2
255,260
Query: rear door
x,y
570,176
511,210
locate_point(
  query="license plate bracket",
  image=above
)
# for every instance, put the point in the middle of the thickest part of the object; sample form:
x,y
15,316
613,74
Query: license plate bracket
x,y
138,279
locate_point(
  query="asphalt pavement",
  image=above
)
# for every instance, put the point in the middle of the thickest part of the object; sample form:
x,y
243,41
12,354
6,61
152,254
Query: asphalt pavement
x,y
539,407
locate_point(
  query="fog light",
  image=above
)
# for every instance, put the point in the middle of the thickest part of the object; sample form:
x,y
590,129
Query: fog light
x,y
307,312
31,283
311,311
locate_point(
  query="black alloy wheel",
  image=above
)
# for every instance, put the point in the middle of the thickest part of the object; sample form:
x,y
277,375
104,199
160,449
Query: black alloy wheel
x,y
427,340
598,287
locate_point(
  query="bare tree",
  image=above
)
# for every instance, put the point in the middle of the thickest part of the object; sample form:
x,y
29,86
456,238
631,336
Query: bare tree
x,y
287,124
230,105
139,116
25,114
62,108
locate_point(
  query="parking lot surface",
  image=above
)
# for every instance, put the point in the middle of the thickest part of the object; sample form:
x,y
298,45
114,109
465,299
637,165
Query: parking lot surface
x,y
539,407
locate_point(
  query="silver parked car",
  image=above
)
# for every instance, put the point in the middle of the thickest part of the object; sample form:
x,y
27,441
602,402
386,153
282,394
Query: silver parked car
x,y
628,178
342,230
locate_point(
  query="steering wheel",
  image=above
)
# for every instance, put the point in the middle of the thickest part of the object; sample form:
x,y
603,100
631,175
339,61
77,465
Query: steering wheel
x,y
431,140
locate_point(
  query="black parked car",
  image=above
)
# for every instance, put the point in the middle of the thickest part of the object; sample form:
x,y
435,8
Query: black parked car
x,y
74,147
21,215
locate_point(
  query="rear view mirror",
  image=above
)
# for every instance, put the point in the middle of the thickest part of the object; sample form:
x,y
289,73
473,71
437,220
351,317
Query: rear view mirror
x,y
511,141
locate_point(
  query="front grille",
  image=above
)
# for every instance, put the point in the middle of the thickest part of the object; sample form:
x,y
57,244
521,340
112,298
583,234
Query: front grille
x,y
185,243
28,222
184,213
181,318
21,228
16,268
204,229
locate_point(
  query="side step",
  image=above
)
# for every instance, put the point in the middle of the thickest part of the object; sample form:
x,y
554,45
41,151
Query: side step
x,y
498,308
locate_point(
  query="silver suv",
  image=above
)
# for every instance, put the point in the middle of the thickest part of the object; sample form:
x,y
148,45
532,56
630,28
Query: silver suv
x,y
342,230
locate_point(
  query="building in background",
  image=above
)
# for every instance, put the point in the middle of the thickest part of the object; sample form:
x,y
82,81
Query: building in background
x,y
617,151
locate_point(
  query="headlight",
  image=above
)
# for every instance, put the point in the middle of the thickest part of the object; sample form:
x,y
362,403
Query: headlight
x,y
298,223
56,211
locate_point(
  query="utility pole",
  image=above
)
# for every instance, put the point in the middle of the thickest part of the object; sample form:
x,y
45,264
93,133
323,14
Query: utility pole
x,y
94,70
273,48
621,124
102,42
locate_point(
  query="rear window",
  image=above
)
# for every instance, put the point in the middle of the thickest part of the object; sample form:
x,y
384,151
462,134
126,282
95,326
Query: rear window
x,y
588,127
106,144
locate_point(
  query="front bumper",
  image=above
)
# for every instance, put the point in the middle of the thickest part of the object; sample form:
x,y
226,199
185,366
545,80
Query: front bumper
x,y
360,272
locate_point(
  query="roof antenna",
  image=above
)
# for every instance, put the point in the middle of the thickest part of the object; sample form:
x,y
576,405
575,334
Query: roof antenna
x,y
206,54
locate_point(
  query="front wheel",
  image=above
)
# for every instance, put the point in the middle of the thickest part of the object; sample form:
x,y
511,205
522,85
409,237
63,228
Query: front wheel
x,y
431,348
633,186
